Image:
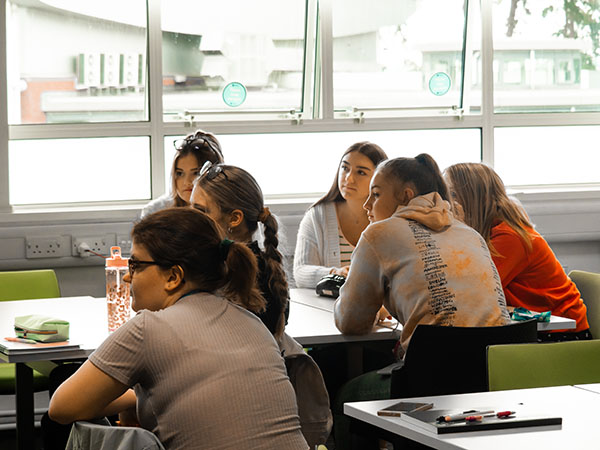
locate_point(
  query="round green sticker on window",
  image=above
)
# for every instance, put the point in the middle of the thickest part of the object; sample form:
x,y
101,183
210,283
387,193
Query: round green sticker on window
x,y
234,94
439,83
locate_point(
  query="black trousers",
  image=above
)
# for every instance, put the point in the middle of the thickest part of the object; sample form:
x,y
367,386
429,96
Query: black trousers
x,y
55,435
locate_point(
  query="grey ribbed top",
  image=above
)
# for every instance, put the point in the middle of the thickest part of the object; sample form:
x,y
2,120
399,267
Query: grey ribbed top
x,y
207,375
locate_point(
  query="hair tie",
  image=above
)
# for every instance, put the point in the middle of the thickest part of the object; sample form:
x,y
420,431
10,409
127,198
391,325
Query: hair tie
x,y
224,248
264,215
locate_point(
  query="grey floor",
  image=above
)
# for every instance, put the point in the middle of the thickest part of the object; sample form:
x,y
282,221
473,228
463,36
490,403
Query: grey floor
x,y
7,419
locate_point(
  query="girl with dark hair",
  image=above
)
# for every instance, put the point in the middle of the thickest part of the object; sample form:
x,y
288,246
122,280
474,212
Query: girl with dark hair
x,y
191,154
416,259
330,229
233,198
531,275
198,360
420,263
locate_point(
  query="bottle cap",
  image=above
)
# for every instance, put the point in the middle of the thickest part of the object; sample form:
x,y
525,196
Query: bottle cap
x,y
115,259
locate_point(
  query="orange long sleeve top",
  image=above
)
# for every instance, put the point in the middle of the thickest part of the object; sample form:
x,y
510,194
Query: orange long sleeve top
x,y
534,279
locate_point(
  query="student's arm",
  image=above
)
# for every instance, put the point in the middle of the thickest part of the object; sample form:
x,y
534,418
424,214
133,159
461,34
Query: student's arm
x,y
512,258
308,264
89,393
361,296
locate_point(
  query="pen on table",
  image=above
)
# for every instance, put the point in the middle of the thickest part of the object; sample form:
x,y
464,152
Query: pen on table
x,y
478,417
463,416
504,414
22,340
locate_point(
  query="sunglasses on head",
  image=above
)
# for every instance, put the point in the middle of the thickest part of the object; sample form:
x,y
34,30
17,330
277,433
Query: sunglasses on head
x,y
197,141
210,171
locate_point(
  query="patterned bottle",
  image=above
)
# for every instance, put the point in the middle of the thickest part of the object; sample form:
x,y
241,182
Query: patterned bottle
x,y
118,296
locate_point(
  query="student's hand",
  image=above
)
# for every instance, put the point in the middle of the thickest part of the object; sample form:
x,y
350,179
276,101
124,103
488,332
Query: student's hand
x,y
343,271
458,212
128,418
383,315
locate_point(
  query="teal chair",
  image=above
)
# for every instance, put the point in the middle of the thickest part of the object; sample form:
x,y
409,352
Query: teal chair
x,y
521,366
588,284
25,285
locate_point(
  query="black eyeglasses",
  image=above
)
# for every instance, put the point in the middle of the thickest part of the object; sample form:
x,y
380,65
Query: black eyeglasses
x,y
134,264
197,142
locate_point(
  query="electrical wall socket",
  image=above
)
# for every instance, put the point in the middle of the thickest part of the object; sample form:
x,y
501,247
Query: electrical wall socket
x,y
47,246
124,241
98,244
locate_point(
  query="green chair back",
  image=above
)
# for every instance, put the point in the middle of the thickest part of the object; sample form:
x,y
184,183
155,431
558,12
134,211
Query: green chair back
x,y
28,284
588,284
25,285
521,366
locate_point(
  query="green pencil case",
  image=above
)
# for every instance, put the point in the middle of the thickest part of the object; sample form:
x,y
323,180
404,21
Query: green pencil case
x,y
41,328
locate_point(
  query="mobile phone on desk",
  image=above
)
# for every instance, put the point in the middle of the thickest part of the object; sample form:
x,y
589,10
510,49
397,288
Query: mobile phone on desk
x,y
397,409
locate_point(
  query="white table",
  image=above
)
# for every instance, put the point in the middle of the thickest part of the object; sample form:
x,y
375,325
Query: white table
x,y
310,298
592,387
310,324
89,327
577,407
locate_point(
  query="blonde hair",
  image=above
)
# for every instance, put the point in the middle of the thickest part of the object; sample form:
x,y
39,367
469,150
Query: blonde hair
x,y
481,193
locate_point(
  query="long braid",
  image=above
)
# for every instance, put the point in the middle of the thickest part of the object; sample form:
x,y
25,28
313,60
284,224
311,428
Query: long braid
x,y
274,261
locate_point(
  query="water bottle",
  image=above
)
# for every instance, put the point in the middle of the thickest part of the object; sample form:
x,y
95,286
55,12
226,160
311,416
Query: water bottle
x,y
118,295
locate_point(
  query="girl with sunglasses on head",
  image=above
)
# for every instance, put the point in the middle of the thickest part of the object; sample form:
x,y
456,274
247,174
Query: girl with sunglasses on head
x,y
532,276
233,198
191,154
205,371
331,227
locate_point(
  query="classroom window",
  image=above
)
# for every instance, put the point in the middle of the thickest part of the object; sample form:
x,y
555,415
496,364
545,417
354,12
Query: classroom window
x,y
312,159
73,62
232,56
558,43
546,156
46,171
389,54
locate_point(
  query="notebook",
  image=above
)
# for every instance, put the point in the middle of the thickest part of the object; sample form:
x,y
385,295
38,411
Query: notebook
x,y
428,420
20,348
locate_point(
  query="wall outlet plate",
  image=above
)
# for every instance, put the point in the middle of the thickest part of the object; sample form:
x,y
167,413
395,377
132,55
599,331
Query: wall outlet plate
x,y
47,246
98,244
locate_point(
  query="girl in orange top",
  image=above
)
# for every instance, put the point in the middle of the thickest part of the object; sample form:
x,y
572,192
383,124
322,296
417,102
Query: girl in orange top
x,y
531,275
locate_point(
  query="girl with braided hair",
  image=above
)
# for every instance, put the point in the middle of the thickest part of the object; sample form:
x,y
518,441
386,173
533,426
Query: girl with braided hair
x,y
233,198
196,357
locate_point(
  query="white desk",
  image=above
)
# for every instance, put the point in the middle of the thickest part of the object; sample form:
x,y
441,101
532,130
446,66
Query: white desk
x,y
577,407
88,328
592,387
309,297
310,324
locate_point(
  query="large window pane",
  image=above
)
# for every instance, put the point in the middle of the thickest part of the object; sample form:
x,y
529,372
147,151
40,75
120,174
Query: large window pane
x,y
79,170
546,56
547,155
207,45
76,61
408,54
306,163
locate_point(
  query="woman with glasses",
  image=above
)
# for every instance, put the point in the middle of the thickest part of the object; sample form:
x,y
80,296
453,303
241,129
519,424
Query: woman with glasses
x,y
531,275
191,153
330,229
233,198
204,370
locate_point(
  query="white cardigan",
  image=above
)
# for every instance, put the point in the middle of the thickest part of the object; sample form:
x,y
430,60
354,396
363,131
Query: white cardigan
x,y
317,245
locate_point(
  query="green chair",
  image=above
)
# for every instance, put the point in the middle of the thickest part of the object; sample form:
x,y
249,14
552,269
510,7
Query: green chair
x,y
25,285
588,284
521,366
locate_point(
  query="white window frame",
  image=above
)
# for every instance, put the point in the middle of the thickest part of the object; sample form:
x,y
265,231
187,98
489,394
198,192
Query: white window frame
x,y
315,118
